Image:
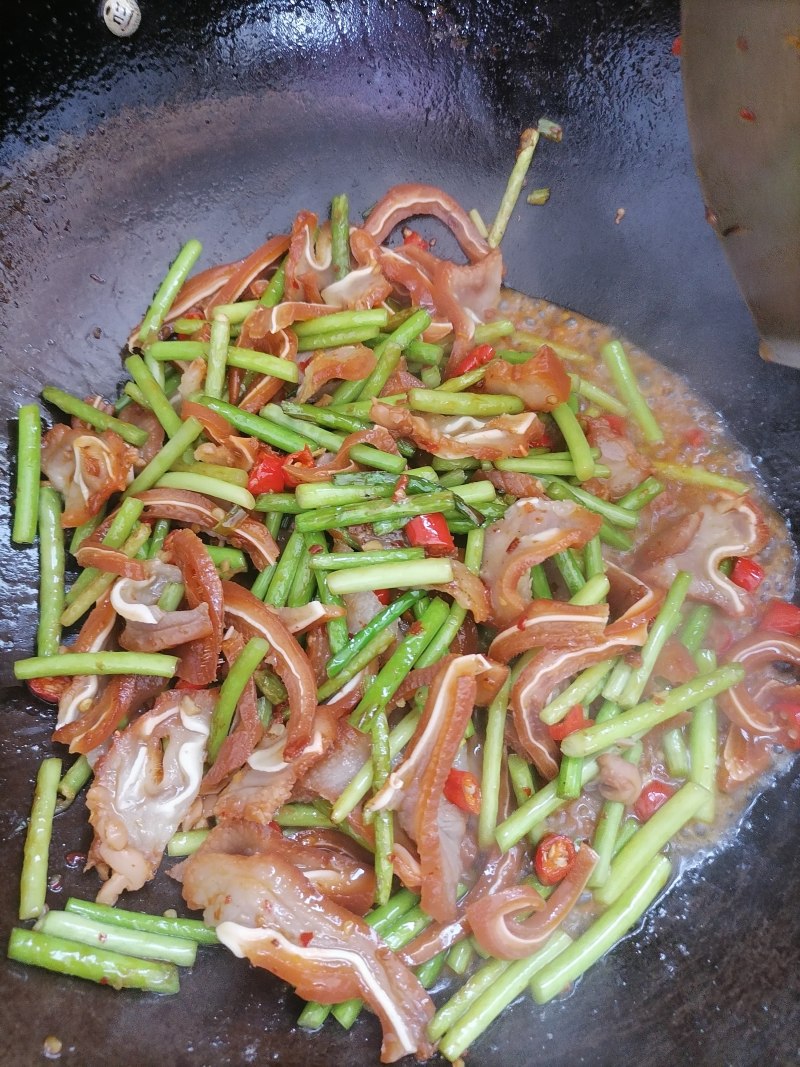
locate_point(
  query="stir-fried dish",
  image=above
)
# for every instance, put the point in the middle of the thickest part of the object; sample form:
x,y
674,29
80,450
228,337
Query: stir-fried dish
x,y
423,621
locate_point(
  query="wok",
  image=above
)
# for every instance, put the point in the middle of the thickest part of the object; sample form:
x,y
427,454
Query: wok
x,y
218,120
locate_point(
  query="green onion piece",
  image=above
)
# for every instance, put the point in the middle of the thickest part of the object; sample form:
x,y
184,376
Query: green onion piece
x,y
301,816
370,510
650,838
80,600
358,787
570,570
576,693
642,495
460,956
167,291
575,440
186,842
676,752
94,964
494,745
527,146
51,573
280,586
337,321
340,561
451,1011
384,618
595,395
664,624
239,674
190,929
594,591
383,822
217,355
700,476
154,663
609,821
136,943
340,236
645,716
507,987
29,450
374,648
696,627
200,483
134,435
160,463
540,587
399,575
538,197
593,562
534,342
33,883
254,426
72,782
703,743
619,367
235,313
85,530
273,294
537,808
316,434
558,490
603,933
154,394
391,675
478,405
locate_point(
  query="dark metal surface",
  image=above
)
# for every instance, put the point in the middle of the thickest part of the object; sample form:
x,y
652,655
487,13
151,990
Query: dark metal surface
x,y
741,80
219,124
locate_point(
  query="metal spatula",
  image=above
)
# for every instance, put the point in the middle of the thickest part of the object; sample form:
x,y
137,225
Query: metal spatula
x,y
741,81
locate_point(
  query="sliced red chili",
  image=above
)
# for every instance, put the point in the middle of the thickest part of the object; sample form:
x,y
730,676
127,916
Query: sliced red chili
x,y
747,574
431,532
746,114
695,438
267,474
411,237
383,595
572,721
303,458
305,938
475,358
463,789
554,857
783,617
677,46
49,689
652,796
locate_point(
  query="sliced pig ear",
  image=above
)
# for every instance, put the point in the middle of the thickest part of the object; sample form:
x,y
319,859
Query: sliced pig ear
x,y
729,527
403,202
758,650
550,624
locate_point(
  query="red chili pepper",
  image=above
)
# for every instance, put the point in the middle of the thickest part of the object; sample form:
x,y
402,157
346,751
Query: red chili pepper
x,y
49,689
429,531
554,857
411,237
654,794
383,595
474,359
267,474
572,721
303,458
788,713
746,114
677,46
463,789
306,938
616,423
783,617
747,574
183,684
695,438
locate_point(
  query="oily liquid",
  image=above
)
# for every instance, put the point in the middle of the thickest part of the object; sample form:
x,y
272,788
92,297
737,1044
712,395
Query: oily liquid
x,y
679,411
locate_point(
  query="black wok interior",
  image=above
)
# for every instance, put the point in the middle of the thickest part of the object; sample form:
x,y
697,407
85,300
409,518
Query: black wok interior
x,y
220,120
